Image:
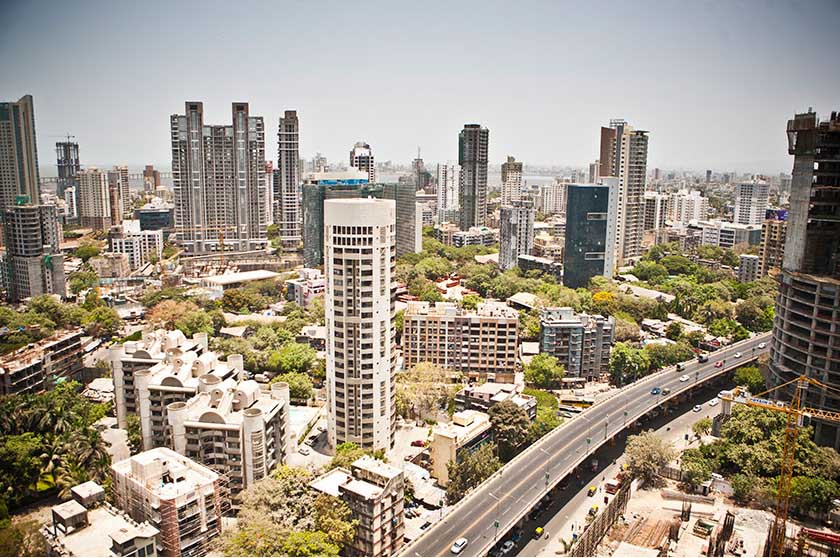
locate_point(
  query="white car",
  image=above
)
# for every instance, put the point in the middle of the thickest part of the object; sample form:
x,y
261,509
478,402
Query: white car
x,y
458,546
697,408
762,345
303,450
737,355
714,402
683,378
507,546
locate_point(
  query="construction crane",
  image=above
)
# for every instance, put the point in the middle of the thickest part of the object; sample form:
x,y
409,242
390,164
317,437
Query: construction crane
x,y
795,414
220,229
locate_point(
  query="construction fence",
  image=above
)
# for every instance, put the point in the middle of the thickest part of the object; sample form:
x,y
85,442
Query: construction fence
x,y
588,542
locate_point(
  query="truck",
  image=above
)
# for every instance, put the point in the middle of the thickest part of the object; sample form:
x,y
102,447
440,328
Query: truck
x,y
612,486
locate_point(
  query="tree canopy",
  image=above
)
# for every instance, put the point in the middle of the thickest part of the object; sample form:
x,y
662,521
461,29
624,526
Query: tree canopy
x,y
646,454
511,425
544,371
470,471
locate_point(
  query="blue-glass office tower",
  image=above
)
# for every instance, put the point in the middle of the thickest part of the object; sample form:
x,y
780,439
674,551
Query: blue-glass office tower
x,y
587,224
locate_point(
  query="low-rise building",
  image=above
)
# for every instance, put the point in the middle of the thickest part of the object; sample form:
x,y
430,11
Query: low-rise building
x,y
482,397
580,342
375,492
91,527
450,235
468,431
239,430
238,279
549,245
155,216
481,344
309,284
110,264
748,268
543,265
140,246
728,235
39,366
180,498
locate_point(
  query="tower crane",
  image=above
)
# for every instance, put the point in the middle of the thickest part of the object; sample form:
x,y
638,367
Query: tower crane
x,y
795,414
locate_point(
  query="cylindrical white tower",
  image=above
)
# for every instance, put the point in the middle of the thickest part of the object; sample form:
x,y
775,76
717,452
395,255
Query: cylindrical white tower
x,y
359,258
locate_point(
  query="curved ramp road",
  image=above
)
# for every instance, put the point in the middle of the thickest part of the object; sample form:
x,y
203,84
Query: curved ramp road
x,y
490,510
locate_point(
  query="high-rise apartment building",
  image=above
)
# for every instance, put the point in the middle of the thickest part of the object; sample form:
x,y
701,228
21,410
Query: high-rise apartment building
x,y
473,153
151,178
448,188
405,196
686,206
286,205
516,232
553,197
482,344
772,250
180,498
594,172
588,250
140,246
656,211
67,161
19,174
218,175
806,308
511,180
624,156
33,264
751,199
359,257
581,342
119,193
748,268
361,157
95,199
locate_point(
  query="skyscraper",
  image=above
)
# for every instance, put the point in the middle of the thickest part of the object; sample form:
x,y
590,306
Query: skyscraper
x,y
33,262
806,308
751,199
218,174
67,159
516,236
588,241
287,215
361,157
359,305
94,201
120,194
624,156
553,197
18,153
511,180
473,146
448,186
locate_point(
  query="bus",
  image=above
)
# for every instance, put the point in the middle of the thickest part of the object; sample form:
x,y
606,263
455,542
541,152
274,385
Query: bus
x,y
580,402
569,408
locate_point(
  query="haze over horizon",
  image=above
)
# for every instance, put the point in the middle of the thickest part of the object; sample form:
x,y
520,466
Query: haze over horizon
x,y
714,83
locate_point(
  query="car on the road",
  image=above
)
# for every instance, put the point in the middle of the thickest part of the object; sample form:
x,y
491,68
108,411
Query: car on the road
x,y
762,345
655,391
425,525
719,364
714,402
702,358
684,378
592,490
697,408
666,391
593,511
565,414
535,513
680,367
459,545
408,457
506,548
310,442
538,532
418,443
303,450
737,355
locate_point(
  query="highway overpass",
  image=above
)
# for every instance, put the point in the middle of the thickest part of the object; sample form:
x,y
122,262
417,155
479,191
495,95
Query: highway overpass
x,y
496,505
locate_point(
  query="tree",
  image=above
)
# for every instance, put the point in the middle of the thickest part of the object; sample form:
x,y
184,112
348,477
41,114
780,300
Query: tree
x,y
470,301
646,454
86,251
702,427
103,322
510,426
135,436
813,494
348,452
544,371
650,271
292,357
627,364
678,265
300,386
696,468
83,280
743,487
662,355
23,538
434,268
470,471
165,313
751,377
333,517
674,331
756,313
197,321
309,543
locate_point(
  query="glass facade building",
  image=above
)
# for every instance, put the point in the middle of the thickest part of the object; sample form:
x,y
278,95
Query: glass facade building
x,y
586,233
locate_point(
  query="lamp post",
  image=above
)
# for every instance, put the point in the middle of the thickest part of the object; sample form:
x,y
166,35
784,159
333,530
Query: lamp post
x,y
547,458
496,522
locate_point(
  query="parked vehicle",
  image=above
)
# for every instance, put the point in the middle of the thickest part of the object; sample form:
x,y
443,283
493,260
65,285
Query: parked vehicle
x,y
697,408
506,548
303,450
612,485
714,402
426,525
459,545
538,532
418,443
594,465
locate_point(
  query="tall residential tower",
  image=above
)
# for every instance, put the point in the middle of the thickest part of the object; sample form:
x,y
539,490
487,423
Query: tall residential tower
x,y
473,147
286,204
511,180
67,160
18,153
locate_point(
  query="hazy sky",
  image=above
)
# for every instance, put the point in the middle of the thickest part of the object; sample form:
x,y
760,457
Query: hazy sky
x,y
713,82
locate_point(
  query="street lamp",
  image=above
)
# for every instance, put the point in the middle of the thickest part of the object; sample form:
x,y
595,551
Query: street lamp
x,y
547,458
496,523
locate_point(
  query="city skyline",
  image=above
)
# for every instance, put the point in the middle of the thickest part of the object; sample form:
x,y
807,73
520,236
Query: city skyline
x,y
668,77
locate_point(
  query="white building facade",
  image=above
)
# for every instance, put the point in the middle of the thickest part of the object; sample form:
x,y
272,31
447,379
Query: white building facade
x,y
448,180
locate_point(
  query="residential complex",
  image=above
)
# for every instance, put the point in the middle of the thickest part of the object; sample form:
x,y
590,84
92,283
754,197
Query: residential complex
x,y
482,344
286,196
728,235
516,232
588,250
119,193
451,235
140,246
375,492
748,268
580,342
94,199
19,175
40,366
218,174
67,161
473,147
361,158
624,156
33,264
656,211
309,284
552,198
685,206
482,397
359,247
448,188
467,432
183,500
806,308
511,181
751,199
155,216
772,250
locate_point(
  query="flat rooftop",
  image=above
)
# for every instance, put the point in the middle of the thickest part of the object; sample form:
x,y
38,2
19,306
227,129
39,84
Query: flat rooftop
x,y
241,277
95,538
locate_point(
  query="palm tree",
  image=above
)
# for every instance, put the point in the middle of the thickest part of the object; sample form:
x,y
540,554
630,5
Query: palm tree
x,y
69,474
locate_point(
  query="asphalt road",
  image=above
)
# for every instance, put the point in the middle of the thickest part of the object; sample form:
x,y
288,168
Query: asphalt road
x,y
495,506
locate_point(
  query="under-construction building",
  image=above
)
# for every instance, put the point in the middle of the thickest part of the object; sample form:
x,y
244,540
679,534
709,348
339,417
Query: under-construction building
x,y
180,498
805,340
39,366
